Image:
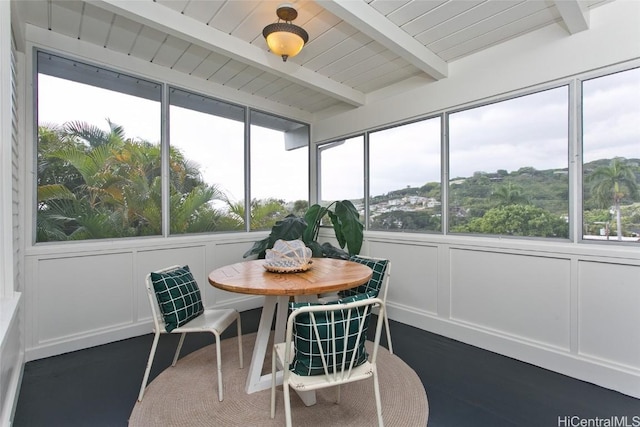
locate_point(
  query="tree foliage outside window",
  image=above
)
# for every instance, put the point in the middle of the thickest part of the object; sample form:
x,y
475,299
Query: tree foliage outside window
x,y
611,153
95,184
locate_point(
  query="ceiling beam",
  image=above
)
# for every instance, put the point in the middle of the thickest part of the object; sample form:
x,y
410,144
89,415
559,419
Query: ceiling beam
x,y
372,23
574,16
186,28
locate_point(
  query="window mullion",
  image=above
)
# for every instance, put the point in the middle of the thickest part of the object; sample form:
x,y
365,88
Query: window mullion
x,y
165,150
575,161
247,170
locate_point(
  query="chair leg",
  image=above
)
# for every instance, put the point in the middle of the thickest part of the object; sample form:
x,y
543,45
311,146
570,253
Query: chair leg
x,y
386,326
287,404
338,393
378,400
219,366
239,325
273,384
152,354
175,357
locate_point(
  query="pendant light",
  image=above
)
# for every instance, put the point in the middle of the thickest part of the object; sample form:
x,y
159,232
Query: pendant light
x,y
284,38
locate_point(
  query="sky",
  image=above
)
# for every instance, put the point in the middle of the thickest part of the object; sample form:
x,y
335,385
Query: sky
x,y
525,131
198,135
612,116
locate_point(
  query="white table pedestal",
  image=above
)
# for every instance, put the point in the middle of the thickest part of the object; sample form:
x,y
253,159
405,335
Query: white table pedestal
x,y
255,380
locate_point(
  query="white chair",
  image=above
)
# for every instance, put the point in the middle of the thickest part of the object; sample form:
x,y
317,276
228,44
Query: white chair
x,y
214,321
379,283
322,350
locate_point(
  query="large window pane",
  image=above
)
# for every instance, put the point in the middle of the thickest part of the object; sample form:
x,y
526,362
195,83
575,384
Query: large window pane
x,y
207,164
404,177
98,153
341,172
279,169
611,157
509,167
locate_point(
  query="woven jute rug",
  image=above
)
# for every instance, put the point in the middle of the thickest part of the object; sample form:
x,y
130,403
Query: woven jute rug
x,y
187,395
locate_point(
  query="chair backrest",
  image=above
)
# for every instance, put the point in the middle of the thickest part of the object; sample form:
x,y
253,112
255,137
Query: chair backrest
x,y
329,338
379,280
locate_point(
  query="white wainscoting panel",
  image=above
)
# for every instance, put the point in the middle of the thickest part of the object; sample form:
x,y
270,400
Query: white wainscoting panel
x,y
83,293
414,274
78,300
225,254
229,253
527,297
609,296
573,312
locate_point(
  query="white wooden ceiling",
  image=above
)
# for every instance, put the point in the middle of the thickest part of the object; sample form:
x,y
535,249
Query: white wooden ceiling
x,y
355,47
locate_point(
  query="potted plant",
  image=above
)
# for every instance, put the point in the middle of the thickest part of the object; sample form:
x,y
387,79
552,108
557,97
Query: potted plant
x,y
346,225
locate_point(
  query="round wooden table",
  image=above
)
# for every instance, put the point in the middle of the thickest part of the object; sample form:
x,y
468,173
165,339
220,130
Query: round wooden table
x,y
250,277
325,275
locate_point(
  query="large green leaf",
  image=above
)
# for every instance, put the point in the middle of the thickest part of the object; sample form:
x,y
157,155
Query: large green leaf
x,y
313,217
347,226
258,247
289,228
316,249
53,192
330,251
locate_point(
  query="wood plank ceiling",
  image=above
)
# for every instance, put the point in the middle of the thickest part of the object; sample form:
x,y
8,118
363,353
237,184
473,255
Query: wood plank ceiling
x,y
356,47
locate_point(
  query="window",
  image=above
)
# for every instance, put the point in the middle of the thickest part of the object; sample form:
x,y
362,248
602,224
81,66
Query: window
x,y
279,169
100,159
611,157
207,164
341,172
98,154
404,177
508,167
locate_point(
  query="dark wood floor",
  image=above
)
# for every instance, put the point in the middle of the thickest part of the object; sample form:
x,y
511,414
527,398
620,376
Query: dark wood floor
x,y
466,386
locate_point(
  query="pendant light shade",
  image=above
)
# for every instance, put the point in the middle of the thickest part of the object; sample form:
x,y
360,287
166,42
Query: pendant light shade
x,y
283,38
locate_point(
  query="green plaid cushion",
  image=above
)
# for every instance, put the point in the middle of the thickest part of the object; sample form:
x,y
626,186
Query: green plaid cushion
x,y
307,359
178,296
375,283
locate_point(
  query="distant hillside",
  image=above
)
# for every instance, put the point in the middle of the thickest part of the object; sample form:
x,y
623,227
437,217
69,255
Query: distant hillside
x,y
547,189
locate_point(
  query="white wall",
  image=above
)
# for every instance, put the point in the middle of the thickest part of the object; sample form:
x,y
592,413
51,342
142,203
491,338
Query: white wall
x,y
11,355
569,308
566,307
11,328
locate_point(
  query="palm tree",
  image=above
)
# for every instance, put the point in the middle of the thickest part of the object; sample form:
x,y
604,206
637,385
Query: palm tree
x,y
614,182
96,184
510,194
93,135
264,212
